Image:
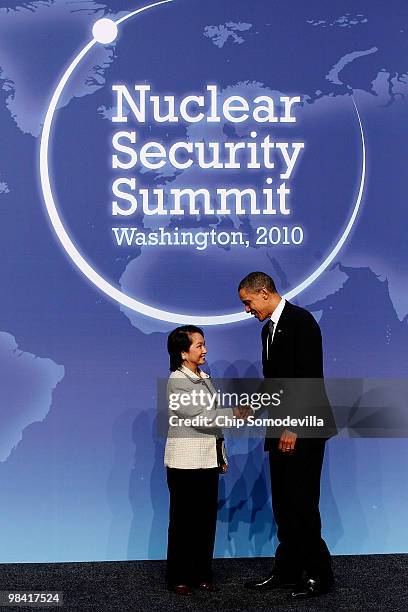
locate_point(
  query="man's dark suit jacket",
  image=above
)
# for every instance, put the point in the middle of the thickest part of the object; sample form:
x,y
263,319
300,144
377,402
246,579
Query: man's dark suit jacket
x,y
296,353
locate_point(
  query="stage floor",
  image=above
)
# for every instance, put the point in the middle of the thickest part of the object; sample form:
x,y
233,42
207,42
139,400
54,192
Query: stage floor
x,y
367,582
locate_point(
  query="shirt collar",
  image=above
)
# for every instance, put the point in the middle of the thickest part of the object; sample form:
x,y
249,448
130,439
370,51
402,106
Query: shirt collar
x,y
278,311
192,374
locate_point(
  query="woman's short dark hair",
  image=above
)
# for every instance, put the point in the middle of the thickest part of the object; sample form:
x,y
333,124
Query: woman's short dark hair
x,y
179,340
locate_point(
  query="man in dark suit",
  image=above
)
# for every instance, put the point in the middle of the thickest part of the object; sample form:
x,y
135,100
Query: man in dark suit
x,y
292,349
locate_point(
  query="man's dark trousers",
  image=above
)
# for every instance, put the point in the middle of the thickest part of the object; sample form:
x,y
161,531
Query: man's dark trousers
x,y
295,483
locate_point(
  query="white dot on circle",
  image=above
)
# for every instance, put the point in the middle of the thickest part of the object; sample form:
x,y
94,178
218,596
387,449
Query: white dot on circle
x,y
269,180
254,134
105,31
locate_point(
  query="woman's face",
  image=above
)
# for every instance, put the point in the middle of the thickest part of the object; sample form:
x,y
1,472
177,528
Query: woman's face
x,y
197,351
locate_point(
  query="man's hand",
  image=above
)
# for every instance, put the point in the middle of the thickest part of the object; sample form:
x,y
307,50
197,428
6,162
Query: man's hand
x,y
287,441
243,412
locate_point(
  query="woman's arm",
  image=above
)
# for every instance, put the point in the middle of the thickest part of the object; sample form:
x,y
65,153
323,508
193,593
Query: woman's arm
x,y
187,399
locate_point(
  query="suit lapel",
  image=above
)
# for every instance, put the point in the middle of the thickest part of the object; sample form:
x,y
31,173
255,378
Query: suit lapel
x,y
283,321
279,335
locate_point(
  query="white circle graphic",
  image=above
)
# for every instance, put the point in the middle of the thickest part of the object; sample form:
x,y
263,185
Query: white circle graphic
x,y
103,33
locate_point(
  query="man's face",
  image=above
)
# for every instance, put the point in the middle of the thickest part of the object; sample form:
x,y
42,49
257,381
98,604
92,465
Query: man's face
x,y
256,302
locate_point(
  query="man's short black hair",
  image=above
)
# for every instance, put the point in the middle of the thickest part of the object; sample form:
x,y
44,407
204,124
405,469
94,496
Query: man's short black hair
x,y
255,281
179,340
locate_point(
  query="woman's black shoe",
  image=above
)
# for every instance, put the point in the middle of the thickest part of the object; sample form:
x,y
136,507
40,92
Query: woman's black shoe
x,y
208,586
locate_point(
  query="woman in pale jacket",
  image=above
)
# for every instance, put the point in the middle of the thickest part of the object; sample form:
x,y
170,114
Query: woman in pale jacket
x,y
194,458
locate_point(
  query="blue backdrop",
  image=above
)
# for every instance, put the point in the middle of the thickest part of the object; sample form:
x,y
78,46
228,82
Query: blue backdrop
x,y
81,469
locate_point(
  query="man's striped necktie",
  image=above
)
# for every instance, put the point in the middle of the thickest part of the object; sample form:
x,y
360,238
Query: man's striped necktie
x,y
269,337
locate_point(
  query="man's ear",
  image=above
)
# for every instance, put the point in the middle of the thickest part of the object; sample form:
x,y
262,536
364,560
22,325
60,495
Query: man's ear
x,y
264,292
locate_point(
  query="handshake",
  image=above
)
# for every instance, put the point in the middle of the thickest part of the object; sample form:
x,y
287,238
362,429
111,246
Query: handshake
x,y
243,412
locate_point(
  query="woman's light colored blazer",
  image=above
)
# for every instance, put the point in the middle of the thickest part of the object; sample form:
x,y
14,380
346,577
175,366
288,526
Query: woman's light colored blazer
x,y
187,446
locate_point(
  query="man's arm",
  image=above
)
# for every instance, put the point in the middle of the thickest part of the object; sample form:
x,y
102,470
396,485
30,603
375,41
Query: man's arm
x,y
308,364
308,349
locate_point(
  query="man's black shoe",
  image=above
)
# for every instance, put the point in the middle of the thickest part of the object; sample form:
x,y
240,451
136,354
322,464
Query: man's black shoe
x,y
311,587
273,581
